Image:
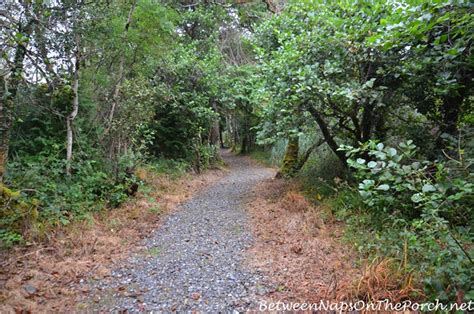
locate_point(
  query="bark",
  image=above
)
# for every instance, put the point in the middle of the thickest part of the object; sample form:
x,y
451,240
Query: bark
x,y
215,130
221,139
270,6
244,148
234,133
6,106
367,121
451,110
246,145
290,161
328,137
75,109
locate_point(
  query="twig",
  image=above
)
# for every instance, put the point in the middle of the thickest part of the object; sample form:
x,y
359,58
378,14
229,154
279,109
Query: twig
x,y
461,247
36,252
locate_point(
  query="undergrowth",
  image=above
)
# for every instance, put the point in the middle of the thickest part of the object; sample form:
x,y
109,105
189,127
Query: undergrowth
x,y
46,202
406,217
402,213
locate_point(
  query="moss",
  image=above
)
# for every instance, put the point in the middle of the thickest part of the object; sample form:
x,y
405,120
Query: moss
x,y
8,193
290,161
18,216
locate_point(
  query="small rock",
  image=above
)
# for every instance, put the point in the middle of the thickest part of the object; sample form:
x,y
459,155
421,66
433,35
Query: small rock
x,y
195,296
30,290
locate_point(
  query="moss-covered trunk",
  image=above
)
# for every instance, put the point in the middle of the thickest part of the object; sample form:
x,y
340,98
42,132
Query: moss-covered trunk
x,y
290,161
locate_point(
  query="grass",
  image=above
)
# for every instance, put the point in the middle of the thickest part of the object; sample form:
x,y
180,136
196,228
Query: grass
x,y
155,209
262,156
170,167
154,251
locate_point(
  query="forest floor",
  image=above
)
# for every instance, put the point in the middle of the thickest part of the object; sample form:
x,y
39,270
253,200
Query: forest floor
x,y
238,237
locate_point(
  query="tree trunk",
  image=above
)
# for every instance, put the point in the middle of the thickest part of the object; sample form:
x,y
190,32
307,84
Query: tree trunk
x,y
235,133
6,107
215,130
75,109
450,110
246,142
366,126
221,139
328,137
290,161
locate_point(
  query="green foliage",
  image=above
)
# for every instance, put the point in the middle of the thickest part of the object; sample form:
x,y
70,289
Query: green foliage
x,y
368,72
160,83
148,81
321,173
172,167
413,205
393,183
17,212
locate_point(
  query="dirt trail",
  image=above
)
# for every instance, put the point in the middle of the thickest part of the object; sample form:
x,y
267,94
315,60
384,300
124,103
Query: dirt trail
x,y
194,260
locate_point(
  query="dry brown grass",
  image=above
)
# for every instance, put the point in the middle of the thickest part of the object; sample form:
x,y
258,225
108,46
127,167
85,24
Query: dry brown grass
x,y
383,279
43,276
296,247
305,257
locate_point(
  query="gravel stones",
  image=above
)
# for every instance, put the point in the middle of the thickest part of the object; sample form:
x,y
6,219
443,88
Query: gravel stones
x,y
194,260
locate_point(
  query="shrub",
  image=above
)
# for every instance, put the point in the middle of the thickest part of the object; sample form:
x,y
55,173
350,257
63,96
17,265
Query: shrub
x,y
17,213
411,209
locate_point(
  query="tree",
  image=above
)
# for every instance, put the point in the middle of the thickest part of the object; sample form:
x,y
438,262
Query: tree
x,y
434,41
18,25
340,64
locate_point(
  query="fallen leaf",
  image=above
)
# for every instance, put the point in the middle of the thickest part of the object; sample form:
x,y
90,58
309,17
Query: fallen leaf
x,y
195,295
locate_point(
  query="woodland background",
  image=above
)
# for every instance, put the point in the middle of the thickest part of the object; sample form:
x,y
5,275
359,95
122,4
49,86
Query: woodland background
x,y
368,104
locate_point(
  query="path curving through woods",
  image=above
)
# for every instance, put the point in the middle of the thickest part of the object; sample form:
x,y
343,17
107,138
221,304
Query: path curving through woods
x,y
194,260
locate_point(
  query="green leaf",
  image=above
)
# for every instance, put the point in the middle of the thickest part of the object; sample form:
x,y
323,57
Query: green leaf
x,y
428,188
372,164
417,198
370,84
383,187
391,152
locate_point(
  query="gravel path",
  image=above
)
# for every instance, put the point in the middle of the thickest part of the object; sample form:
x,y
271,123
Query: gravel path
x,y
194,260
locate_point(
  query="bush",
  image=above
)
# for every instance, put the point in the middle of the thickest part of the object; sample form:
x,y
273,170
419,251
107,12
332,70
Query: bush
x,y
16,214
412,212
321,172
171,167
49,198
393,182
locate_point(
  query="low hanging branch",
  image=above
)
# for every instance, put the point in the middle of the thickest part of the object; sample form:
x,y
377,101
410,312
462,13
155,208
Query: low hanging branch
x,y
328,137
